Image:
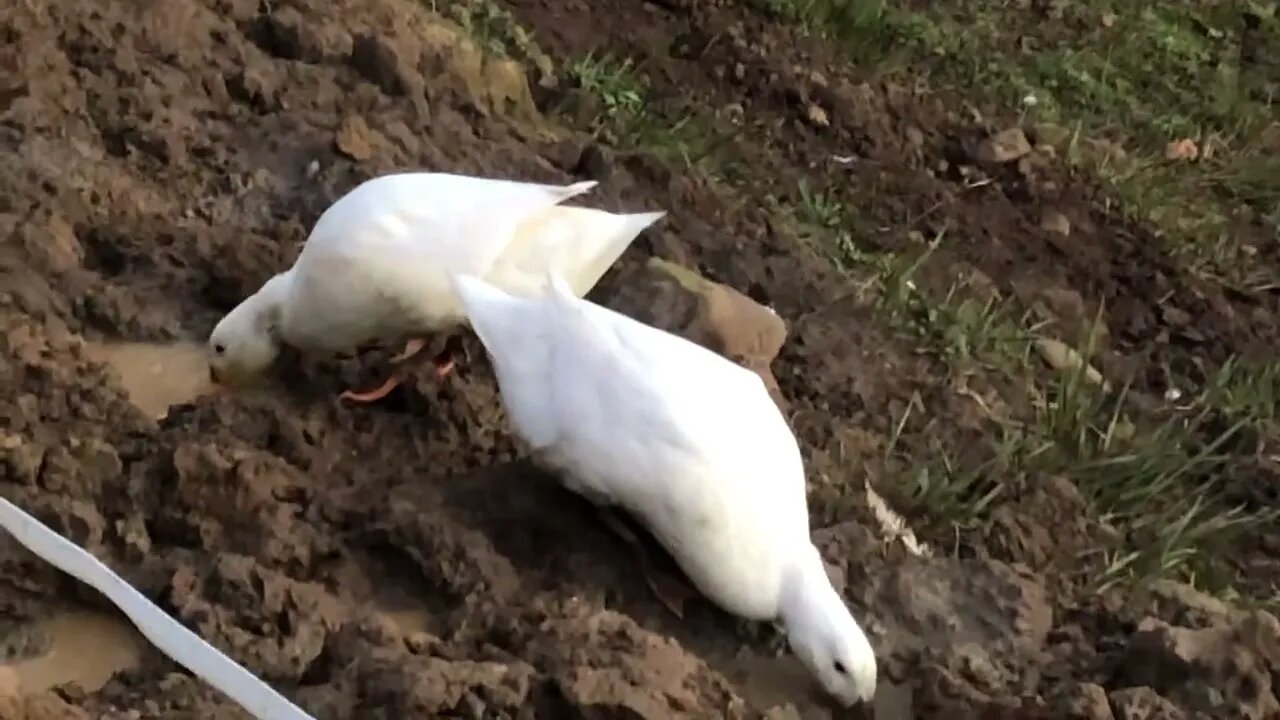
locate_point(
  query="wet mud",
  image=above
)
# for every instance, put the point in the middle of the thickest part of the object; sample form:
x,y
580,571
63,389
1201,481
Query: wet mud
x,y
403,559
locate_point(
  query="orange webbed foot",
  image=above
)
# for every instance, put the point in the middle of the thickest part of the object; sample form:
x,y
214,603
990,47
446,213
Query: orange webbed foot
x,y
372,395
411,348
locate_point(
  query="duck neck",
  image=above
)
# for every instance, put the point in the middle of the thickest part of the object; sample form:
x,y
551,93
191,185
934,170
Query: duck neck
x,y
809,601
268,305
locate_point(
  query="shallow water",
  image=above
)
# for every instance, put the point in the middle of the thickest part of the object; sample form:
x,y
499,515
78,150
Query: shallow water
x,y
780,681
82,646
157,376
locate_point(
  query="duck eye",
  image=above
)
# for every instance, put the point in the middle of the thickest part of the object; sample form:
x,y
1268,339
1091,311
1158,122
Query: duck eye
x,y
838,667
219,348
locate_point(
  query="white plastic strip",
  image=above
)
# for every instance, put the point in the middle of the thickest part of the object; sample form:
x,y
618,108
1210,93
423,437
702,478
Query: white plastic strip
x,y
167,634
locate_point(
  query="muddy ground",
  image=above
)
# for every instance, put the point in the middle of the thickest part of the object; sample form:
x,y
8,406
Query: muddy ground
x,y
162,158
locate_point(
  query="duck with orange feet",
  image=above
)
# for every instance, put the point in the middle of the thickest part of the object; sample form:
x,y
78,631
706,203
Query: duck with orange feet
x,y
376,268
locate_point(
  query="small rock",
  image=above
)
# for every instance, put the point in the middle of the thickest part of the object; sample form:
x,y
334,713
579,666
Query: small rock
x,y
783,712
1005,146
1143,703
817,116
1089,703
420,643
1184,149
1055,222
1175,316
1061,356
354,139
718,317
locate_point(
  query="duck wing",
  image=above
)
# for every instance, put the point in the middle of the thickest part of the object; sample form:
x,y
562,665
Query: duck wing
x,y
580,244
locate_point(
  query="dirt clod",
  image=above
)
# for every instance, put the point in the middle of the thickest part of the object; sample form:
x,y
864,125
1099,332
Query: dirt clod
x,y
1222,670
716,316
1055,222
1143,703
1004,146
354,139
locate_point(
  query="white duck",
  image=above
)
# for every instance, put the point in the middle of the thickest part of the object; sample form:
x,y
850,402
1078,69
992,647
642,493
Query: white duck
x,y
689,443
376,266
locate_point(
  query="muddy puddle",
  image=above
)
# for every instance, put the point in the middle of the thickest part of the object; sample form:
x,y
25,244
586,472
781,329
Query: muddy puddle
x,y
157,376
776,682
85,647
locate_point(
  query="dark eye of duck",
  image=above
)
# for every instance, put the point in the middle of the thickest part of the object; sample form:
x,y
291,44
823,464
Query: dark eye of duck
x,y
219,348
839,667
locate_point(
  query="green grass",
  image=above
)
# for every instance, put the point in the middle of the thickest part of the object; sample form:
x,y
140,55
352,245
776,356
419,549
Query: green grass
x,y
492,27
1116,81
1154,480
621,91
1248,390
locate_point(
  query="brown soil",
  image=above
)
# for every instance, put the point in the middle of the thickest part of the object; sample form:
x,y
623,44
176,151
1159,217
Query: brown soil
x,y
162,158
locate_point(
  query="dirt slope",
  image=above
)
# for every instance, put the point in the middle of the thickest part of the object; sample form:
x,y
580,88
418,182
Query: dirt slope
x,y
162,158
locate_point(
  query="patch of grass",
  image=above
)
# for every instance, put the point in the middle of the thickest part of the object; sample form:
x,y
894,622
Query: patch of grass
x,y
818,208
868,30
1108,88
492,27
950,492
621,91
1247,390
1154,482
1120,81
963,327
624,118
967,330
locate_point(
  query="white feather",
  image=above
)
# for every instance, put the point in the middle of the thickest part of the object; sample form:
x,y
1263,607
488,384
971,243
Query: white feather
x,y
376,265
687,441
